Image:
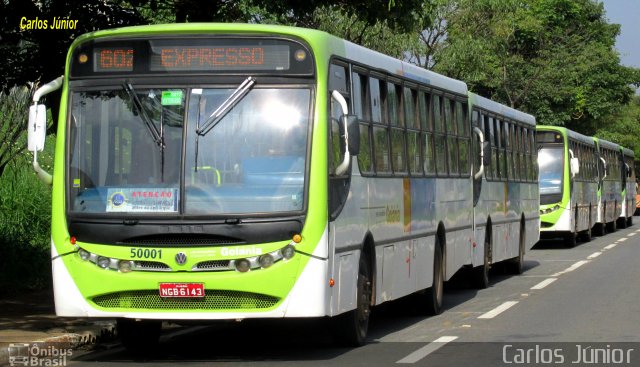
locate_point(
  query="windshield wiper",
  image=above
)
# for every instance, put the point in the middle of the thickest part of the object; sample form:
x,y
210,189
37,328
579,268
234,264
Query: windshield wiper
x,y
226,106
156,135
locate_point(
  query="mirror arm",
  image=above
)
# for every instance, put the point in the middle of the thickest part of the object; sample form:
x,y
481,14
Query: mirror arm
x,y
344,165
43,175
53,85
480,172
47,88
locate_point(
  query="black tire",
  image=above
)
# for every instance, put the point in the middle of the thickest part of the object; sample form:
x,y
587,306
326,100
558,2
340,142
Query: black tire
x,y
622,223
139,337
480,274
611,226
350,329
629,221
433,296
587,235
516,265
599,229
570,240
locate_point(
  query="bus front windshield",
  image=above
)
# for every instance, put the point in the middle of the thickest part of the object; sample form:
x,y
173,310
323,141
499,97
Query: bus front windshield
x,y
143,151
550,161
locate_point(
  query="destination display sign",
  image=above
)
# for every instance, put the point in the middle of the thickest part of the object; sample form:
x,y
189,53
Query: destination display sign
x,y
199,55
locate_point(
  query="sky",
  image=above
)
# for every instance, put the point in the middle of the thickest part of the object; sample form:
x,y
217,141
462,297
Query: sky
x,y
627,14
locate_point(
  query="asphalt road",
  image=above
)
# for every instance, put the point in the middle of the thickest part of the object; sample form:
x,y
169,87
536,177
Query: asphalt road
x,y
571,307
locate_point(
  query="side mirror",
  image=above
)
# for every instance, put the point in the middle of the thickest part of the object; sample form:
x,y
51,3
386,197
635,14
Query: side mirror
x,y
353,127
603,166
37,127
346,161
575,167
484,153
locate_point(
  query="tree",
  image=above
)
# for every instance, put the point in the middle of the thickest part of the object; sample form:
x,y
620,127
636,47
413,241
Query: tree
x,y
622,127
378,36
552,58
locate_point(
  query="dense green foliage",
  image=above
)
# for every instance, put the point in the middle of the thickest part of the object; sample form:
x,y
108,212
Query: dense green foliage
x,y
552,58
25,219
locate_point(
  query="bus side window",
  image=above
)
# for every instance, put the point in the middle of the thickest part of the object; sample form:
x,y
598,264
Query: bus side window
x,y
362,109
439,136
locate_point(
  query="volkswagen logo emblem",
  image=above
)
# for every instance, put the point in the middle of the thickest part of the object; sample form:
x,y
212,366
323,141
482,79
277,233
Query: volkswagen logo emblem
x,y
181,258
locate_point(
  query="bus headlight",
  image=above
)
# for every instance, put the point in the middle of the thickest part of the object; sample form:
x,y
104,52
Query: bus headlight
x,y
103,262
266,260
550,209
287,252
243,265
84,254
125,266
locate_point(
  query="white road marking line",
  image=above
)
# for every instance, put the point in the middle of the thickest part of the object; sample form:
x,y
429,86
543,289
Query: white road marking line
x,y
622,240
594,255
498,310
427,349
610,246
544,283
571,268
637,230
631,234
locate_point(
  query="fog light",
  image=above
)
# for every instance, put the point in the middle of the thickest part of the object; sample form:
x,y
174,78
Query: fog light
x,y
103,262
266,260
125,266
288,251
243,265
84,254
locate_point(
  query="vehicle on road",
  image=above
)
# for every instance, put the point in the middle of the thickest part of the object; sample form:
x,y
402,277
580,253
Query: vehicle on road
x,y
235,171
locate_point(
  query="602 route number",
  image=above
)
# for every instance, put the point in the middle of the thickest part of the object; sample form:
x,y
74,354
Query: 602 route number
x,y
145,253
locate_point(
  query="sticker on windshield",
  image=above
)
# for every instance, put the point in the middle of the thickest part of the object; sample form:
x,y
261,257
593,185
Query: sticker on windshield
x,y
171,97
142,200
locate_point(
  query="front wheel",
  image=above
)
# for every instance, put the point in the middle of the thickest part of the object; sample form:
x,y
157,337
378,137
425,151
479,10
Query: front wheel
x,y
350,329
139,336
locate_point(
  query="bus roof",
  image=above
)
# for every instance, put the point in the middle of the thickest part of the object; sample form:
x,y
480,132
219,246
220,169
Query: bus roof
x,y
320,41
569,133
606,144
501,109
627,152
392,65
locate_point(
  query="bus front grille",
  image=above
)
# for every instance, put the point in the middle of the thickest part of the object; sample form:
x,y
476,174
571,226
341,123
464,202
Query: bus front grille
x,y
213,265
213,300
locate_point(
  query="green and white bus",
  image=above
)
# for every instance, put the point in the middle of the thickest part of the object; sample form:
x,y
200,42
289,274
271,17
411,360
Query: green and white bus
x,y
609,186
568,164
234,171
628,188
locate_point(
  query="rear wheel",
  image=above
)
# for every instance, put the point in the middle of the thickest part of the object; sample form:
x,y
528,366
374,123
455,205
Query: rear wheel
x,y
611,226
480,274
570,239
629,221
516,266
139,337
586,235
432,297
350,329
622,222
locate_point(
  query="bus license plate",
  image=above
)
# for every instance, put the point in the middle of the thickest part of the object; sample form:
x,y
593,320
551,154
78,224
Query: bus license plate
x,y
182,290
